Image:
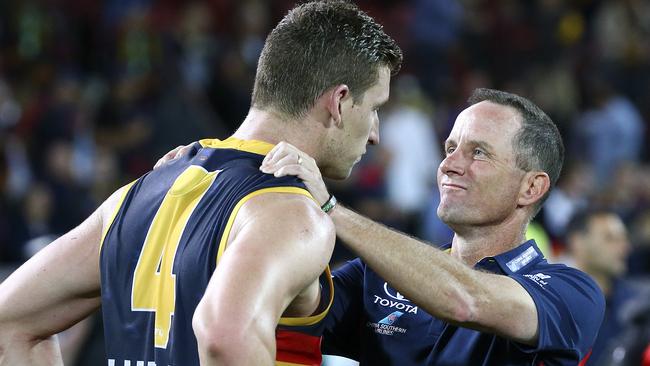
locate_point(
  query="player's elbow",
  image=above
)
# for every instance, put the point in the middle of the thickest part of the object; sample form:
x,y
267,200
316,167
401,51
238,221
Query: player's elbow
x,y
216,343
231,341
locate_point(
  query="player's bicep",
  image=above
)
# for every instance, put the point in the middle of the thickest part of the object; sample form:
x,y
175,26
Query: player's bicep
x,y
58,286
281,247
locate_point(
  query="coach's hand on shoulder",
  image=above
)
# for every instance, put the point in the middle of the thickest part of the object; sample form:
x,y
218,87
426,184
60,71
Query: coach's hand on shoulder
x,y
173,154
286,159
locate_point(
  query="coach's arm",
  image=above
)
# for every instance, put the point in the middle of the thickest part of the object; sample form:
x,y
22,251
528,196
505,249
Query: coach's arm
x,y
279,245
52,291
437,282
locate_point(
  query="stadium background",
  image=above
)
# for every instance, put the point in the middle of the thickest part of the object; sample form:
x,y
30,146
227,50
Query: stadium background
x,y
93,92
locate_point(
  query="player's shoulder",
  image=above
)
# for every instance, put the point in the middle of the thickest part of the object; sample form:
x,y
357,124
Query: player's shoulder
x,y
287,217
107,209
286,207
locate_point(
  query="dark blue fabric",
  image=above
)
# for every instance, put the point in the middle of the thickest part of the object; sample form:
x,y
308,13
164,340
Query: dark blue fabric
x,y
613,324
391,330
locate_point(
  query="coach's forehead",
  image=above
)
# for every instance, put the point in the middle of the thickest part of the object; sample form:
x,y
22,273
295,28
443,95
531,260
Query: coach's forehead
x,y
486,121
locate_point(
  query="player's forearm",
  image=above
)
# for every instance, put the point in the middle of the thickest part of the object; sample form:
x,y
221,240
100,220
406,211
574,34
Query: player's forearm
x,y
429,277
21,350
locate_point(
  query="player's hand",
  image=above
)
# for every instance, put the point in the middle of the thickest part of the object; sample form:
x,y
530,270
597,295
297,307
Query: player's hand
x,y
174,154
286,159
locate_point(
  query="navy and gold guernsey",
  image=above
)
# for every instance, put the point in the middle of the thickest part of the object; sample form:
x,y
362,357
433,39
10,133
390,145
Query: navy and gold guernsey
x,y
165,240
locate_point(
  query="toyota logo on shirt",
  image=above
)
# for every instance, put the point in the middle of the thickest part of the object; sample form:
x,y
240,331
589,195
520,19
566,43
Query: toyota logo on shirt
x,y
394,294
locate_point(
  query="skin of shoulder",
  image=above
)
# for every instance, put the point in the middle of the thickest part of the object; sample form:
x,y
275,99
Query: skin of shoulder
x,y
293,223
279,245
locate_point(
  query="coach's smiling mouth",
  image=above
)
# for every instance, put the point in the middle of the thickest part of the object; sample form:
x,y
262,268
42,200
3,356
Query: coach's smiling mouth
x,y
453,186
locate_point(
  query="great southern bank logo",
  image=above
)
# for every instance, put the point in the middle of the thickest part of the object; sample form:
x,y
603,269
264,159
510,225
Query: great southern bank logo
x,y
386,326
395,301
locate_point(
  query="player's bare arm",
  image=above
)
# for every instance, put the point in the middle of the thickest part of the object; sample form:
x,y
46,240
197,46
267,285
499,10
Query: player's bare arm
x,y
436,281
279,245
43,297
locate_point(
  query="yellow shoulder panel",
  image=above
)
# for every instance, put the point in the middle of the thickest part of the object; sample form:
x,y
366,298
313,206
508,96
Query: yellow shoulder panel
x,y
125,191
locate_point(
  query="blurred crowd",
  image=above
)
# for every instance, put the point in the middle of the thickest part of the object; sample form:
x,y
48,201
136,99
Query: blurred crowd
x,y
93,92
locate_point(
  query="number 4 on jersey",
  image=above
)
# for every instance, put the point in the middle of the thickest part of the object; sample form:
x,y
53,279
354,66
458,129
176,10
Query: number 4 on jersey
x,y
154,283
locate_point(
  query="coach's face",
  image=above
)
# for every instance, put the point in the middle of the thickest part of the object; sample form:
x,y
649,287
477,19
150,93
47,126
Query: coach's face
x,y
478,179
359,126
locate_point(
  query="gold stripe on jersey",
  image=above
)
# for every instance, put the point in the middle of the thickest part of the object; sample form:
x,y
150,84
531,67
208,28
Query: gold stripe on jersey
x,y
311,320
233,215
125,191
252,146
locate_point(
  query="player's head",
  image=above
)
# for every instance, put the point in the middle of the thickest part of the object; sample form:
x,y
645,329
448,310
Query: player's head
x,y
328,54
598,242
503,155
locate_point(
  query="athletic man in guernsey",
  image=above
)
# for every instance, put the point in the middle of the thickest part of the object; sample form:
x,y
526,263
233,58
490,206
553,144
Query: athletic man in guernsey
x,y
207,260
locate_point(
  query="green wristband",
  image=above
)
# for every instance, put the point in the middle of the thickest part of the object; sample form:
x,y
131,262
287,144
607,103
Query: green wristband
x,y
329,205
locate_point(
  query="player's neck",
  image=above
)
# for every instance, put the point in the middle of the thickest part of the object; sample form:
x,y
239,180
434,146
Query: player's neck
x,y
472,244
271,127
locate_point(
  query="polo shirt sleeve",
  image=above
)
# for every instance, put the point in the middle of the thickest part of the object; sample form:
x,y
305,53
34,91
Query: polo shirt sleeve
x,y
343,322
570,310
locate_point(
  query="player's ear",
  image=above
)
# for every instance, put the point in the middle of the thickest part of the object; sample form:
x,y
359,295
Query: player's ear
x,y
335,98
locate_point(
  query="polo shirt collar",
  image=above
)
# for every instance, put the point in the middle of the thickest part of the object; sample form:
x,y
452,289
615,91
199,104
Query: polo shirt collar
x,y
515,260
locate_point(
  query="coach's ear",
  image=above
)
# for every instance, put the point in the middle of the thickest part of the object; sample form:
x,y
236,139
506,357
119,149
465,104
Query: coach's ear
x,y
335,98
534,186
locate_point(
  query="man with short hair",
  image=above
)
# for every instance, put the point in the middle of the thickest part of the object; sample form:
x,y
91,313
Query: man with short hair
x,y
488,298
201,259
598,243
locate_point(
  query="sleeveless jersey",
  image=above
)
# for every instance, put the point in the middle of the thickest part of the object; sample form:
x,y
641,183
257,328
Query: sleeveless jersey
x,y
165,239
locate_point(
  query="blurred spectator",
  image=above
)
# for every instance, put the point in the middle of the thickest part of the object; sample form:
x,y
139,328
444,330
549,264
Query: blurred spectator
x,y
599,246
435,31
639,261
611,132
199,47
413,149
574,189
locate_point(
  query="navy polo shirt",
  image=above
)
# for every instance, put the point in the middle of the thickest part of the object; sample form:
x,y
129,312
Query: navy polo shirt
x,y
373,323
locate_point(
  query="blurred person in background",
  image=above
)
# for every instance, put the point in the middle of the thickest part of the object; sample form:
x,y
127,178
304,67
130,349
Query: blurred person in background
x,y
409,137
639,261
598,243
611,131
574,189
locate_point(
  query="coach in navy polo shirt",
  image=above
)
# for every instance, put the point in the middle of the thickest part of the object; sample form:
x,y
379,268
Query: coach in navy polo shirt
x,y
490,298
